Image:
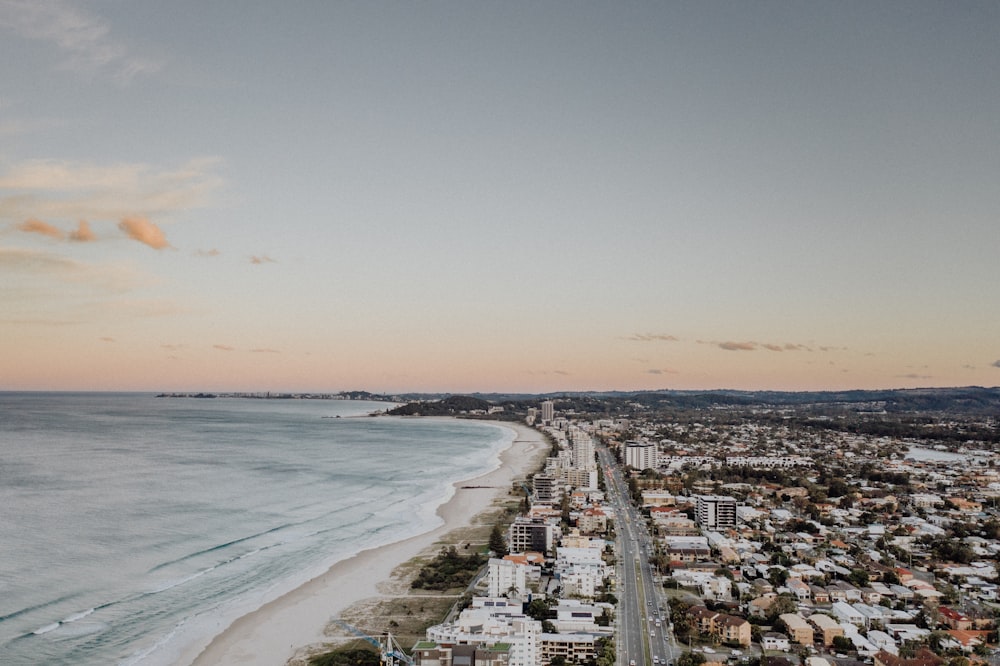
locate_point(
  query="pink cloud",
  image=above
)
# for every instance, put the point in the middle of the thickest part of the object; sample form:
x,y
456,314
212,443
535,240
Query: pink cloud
x,y
83,234
142,230
34,226
224,348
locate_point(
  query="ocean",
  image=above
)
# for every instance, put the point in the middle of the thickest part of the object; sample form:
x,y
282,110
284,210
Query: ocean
x,y
131,525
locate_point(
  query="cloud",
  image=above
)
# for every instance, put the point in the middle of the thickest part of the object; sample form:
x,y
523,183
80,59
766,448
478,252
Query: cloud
x,y
738,346
172,347
107,339
915,376
226,348
34,226
83,234
661,371
65,190
996,364
207,253
142,230
84,40
264,350
33,269
652,337
262,259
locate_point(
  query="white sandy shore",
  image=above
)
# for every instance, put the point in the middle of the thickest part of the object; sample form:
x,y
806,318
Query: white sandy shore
x,y
277,631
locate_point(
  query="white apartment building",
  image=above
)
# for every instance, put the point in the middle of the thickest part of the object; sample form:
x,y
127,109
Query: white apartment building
x,y
506,577
640,455
489,621
715,511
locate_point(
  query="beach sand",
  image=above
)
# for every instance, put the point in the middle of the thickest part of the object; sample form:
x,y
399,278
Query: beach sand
x,y
294,624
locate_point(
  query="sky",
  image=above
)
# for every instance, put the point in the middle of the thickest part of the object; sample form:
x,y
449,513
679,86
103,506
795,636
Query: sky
x,y
498,196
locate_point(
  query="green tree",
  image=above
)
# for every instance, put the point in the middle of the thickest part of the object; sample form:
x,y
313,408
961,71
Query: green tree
x,y
842,644
497,543
691,659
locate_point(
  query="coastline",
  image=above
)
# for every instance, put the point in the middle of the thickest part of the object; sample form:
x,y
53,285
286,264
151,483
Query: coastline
x,y
294,624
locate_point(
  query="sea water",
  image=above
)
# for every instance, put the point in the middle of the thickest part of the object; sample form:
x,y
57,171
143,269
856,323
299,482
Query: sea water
x,y
132,526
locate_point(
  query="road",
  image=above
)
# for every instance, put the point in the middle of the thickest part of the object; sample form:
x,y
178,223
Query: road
x,y
641,601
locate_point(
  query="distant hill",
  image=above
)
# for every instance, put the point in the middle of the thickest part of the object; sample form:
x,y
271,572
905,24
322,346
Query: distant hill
x,y
969,400
450,406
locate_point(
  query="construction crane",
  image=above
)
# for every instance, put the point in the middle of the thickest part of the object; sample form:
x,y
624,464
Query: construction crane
x,y
389,651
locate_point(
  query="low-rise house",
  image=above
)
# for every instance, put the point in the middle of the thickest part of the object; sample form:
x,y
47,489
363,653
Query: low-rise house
x,y
955,619
772,640
923,657
845,612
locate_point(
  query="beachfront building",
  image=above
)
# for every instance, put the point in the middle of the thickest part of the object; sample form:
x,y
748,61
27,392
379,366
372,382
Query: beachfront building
x,y
531,534
508,577
548,411
429,653
489,621
715,511
573,648
581,570
640,455
547,489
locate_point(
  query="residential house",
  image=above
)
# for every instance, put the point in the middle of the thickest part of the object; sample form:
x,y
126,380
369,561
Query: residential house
x,y
772,640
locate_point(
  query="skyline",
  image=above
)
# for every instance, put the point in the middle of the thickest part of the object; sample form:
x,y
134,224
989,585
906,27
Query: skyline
x,y
499,197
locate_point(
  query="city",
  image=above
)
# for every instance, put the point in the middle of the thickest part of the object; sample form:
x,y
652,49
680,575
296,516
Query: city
x,y
743,536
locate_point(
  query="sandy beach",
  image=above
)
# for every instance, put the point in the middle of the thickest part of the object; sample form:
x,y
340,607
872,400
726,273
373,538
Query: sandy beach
x,y
295,622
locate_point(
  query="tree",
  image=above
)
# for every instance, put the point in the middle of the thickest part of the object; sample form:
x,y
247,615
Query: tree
x,y
497,543
691,659
842,644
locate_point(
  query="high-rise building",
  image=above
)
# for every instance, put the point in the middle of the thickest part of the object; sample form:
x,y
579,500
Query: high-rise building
x,y
640,455
583,450
715,511
548,411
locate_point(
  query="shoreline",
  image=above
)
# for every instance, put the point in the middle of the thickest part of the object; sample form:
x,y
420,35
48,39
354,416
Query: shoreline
x,y
294,624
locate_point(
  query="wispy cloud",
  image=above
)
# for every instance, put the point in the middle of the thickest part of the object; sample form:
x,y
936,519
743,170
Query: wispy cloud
x,y
661,371
996,364
262,259
207,253
107,339
738,346
83,234
265,350
652,337
65,190
34,268
225,348
84,40
34,226
142,230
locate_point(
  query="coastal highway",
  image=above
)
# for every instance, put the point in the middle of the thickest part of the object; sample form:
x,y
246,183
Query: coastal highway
x,y
641,602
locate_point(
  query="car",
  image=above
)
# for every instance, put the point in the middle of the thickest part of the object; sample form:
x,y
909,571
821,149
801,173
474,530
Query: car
x,y
631,663
656,659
